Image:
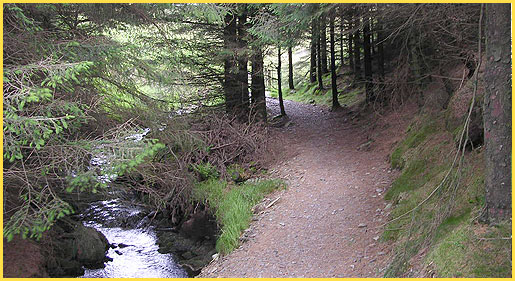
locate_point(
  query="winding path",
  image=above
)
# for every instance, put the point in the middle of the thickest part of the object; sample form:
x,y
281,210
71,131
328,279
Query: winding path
x,y
325,223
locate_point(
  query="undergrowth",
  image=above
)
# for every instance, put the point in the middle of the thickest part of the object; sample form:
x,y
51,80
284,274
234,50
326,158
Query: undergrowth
x,y
443,230
232,205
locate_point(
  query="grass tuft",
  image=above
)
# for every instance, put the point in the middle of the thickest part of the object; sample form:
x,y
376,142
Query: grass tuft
x,y
233,206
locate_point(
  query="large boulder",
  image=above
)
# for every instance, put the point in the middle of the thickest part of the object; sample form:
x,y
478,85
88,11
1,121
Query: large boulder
x,y
90,246
74,246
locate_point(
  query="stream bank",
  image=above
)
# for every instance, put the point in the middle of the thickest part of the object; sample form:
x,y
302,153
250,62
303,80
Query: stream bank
x,y
143,243
115,238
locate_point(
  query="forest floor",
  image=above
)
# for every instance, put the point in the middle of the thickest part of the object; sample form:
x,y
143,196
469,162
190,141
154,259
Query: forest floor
x,y
328,222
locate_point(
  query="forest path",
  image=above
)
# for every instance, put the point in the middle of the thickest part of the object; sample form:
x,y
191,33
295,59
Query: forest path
x,y
325,223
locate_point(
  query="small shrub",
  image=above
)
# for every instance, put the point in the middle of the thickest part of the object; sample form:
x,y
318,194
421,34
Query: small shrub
x,y
205,171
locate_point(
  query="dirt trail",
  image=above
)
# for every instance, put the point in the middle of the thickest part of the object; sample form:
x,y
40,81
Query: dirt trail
x,y
323,225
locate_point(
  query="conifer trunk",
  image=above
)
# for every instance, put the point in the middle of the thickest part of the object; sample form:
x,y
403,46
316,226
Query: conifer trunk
x,y
231,90
368,62
319,63
342,62
323,43
243,75
357,49
380,51
313,57
279,90
290,68
258,83
350,49
334,87
497,113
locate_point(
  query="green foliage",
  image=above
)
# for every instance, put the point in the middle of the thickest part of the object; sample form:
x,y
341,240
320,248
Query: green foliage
x,y
237,172
233,206
205,171
32,114
50,85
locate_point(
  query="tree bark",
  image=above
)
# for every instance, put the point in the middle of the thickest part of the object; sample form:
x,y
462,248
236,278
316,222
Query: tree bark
x,y
290,68
258,83
342,62
357,47
350,49
323,43
231,90
313,57
368,62
380,51
372,39
243,74
280,92
497,113
334,87
319,63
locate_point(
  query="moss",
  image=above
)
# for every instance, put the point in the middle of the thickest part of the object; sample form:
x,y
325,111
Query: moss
x,y
492,258
450,255
408,180
396,158
444,222
309,93
464,252
414,138
417,137
451,223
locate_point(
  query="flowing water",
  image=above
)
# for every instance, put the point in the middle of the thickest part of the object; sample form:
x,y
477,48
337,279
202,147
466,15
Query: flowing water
x,y
126,226
133,250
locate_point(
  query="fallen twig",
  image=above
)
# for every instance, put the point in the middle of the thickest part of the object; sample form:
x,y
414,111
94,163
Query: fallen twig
x,y
273,202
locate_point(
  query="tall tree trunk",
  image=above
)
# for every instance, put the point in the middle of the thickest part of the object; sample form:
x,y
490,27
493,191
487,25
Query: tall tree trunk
x,y
342,62
380,51
313,57
290,68
243,74
319,63
279,90
231,90
368,61
372,39
334,87
323,43
258,83
497,113
350,49
357,47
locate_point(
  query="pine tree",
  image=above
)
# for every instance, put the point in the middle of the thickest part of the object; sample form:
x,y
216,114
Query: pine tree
x,y
334,87
497,113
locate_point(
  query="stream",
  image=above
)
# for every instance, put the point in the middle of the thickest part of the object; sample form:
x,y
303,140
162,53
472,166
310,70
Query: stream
x,y
133,248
